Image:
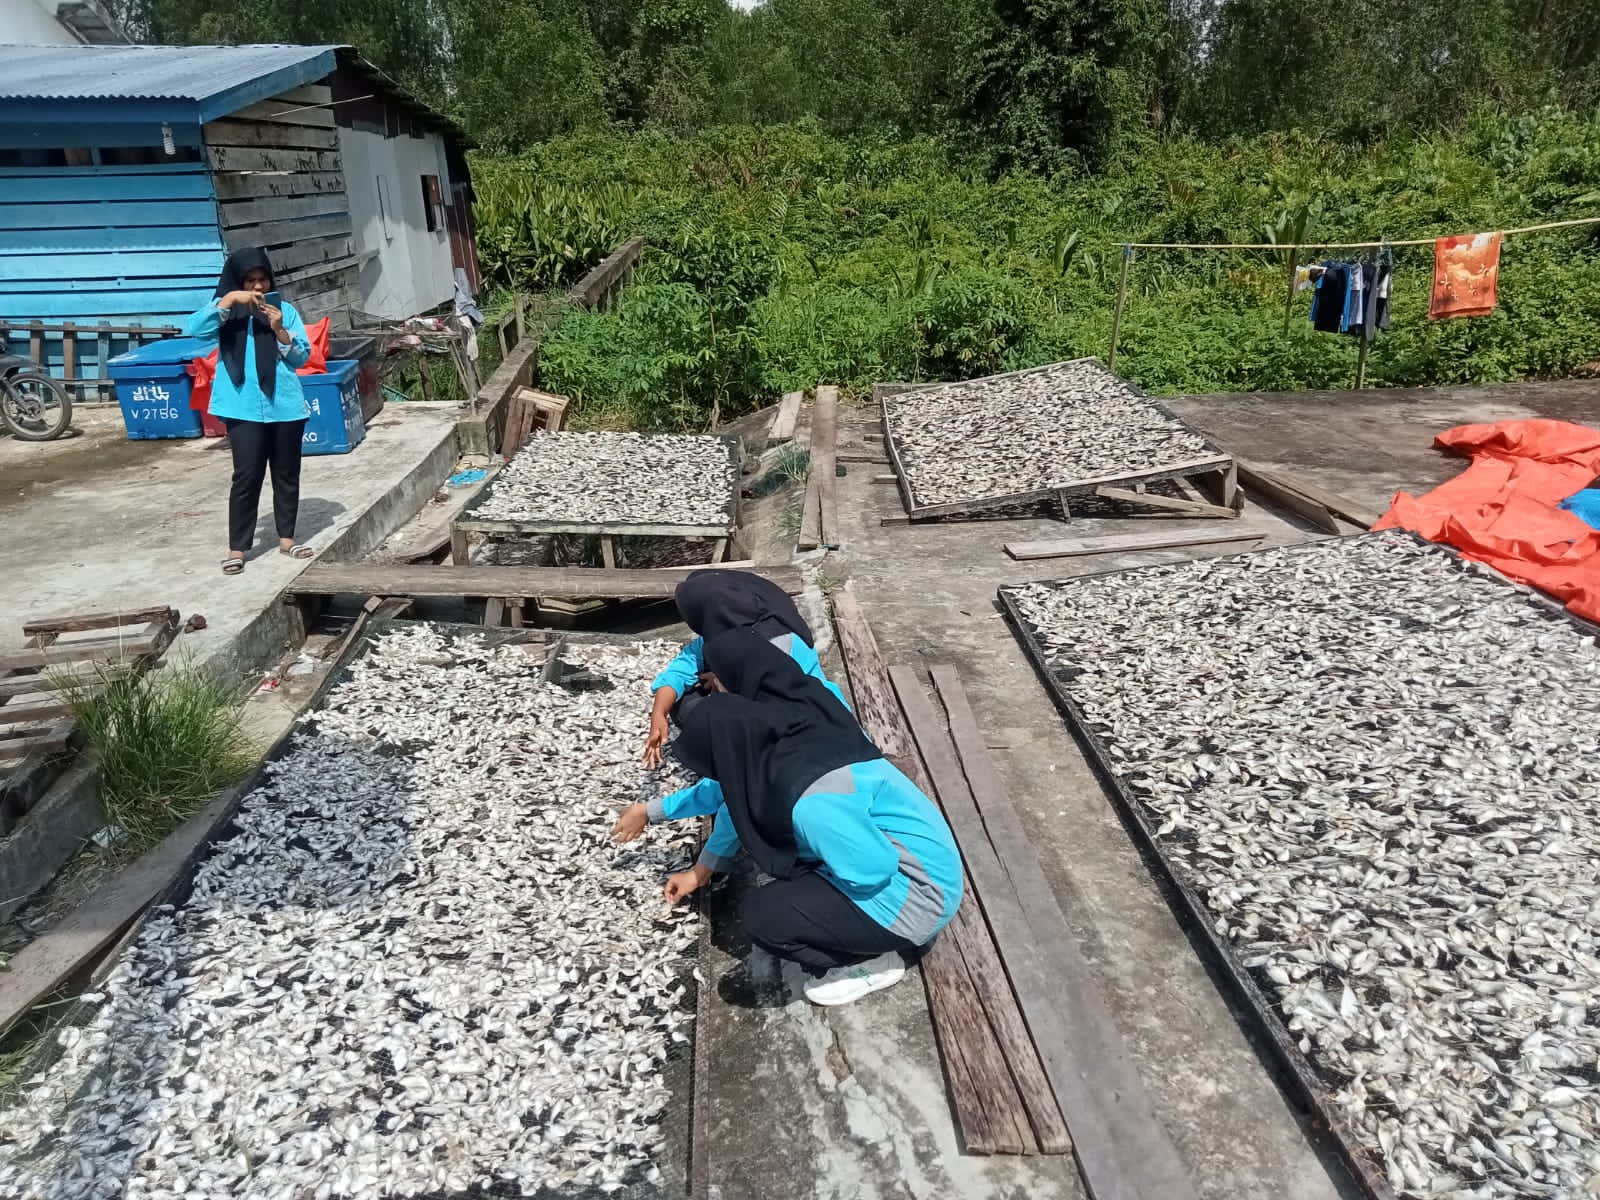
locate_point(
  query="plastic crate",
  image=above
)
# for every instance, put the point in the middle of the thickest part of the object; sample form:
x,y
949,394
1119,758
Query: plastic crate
x,y
154,398
335,425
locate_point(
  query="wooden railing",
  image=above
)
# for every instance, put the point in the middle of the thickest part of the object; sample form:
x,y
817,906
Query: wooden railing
x,y
82,346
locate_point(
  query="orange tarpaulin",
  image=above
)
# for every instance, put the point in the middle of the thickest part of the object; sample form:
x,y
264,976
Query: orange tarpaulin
x,y
1505,508
203,370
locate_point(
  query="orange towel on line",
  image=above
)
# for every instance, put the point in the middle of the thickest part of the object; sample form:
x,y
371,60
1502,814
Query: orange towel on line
x,y
1466,274
1505,508
204,370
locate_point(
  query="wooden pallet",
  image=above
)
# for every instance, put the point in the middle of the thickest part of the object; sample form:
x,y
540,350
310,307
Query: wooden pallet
x,y
36,722
531,409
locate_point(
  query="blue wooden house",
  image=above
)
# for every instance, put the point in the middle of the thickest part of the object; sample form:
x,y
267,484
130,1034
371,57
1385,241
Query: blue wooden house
x,y
128,172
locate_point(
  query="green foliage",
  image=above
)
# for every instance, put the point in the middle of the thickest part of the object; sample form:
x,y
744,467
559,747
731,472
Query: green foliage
x,y
781,257
534,235
167,742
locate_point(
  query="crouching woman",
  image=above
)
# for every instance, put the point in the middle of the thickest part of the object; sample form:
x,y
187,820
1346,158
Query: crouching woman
x,y
864,869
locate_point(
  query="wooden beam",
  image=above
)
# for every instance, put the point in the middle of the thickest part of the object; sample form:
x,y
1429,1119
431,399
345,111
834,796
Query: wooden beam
x,y
811,513
1189,508
33,714
1125,543
1339,506
99,650
1265,483
80,622
562,583
788,414
283,135
289,162
52,739
824,436
988,1108
1123,1151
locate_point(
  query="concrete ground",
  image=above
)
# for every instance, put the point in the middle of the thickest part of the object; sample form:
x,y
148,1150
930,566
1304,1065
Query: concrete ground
x,y
97,521
1370,444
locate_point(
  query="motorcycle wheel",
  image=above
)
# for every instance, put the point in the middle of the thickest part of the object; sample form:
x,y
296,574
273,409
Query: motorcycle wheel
x,y
34,407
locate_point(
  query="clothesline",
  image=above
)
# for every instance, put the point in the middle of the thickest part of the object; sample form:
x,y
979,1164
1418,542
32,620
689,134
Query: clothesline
x,y
1341,245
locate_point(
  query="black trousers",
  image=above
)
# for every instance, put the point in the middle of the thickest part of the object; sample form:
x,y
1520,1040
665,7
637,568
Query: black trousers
x,y
257,445
809,921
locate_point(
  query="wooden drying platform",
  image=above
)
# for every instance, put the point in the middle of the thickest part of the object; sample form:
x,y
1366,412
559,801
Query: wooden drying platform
x,y
1126,543
1209,482
36,724
507,588
1317,505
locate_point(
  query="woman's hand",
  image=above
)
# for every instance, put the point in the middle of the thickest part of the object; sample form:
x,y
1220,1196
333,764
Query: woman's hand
x,y
686,883
242,297
273,315
631,823
657,741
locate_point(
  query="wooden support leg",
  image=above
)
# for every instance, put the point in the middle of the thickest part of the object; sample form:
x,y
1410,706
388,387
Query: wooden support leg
x,y
301,615
719,552
1230,486
494,611
608,550
1066,510
460,551
514,603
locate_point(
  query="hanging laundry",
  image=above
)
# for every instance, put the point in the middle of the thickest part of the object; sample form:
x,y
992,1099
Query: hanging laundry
x,y
1356,305
1466,271
1330,305
1305,278
1373,314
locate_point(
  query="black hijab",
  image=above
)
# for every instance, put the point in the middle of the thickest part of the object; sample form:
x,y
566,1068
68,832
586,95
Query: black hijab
x,y
716,601
774,733
238,326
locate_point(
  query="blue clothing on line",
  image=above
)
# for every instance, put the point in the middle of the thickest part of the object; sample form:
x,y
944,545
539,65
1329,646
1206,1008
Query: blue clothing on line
x,y
1585,505
247,402
872,834
683,671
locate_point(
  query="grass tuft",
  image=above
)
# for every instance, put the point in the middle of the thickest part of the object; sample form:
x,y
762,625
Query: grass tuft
x,y
167,742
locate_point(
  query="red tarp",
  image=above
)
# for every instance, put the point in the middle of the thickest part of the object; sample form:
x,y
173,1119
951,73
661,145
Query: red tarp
x,y
1504,509
204,370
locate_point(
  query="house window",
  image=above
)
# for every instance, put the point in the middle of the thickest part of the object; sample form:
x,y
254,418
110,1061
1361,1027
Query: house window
x,y
433,202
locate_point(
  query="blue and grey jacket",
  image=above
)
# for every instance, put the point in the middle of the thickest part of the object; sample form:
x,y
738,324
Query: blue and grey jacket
x,y
871,833
683,672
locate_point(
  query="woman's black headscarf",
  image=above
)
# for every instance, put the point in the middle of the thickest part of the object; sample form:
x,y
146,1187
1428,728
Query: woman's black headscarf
x,y
237,327
715,601
774,733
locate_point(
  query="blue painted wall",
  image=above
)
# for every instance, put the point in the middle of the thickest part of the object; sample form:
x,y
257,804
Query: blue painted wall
x,y
124,244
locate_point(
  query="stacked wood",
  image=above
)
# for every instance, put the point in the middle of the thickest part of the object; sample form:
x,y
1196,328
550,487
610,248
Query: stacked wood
x,y
531,409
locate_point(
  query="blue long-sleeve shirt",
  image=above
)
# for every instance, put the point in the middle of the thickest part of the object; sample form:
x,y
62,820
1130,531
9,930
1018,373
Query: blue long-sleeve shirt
x,y
682,672
871,833
247,402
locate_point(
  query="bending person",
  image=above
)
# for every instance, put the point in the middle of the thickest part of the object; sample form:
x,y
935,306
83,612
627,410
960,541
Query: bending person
x,y
717,601
257,395
865,870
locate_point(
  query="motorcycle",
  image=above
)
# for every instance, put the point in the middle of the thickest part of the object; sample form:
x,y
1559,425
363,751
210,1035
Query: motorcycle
x,y
33,406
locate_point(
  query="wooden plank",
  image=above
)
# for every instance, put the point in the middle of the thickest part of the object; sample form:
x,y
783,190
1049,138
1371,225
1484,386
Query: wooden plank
x,y
788,415
101,650
281,208
991,888
1123,1151
243,185
1125,543
43,683
44,964
1264,483
377,579
963,954
69,351
298,162
1339,506
285,112
811,513
824,438
81,622
52,739
313,251
33,714
277,233
618,529
284,135
1177,504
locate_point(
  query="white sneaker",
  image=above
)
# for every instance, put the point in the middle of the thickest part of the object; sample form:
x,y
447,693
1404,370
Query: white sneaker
x,y
844,984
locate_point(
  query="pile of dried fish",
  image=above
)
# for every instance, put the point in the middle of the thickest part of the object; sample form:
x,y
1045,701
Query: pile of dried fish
x,y
1031,431
1379,768
615,479
417,965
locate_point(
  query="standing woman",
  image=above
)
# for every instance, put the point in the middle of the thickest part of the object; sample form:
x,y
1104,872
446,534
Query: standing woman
x,y
257,395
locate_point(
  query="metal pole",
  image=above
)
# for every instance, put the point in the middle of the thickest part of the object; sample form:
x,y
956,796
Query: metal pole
x,y
1122,296
1288,300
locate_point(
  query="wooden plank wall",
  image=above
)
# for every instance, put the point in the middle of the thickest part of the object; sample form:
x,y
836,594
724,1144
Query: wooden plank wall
x,y
280,183
110,244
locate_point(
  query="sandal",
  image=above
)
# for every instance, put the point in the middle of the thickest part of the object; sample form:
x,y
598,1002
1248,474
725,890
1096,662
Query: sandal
x,y
232,566
297,551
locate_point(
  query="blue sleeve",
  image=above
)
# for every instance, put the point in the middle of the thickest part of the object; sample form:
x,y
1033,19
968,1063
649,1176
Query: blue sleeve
x,y
683,672
203,325
697,800
806,657
838,830
722,847
298,352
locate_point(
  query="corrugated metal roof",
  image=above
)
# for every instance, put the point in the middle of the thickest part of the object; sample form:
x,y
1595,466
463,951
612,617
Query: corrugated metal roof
x,y
182,73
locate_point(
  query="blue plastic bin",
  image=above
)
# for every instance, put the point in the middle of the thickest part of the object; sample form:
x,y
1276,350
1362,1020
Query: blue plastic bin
x,y
335,425
153,388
